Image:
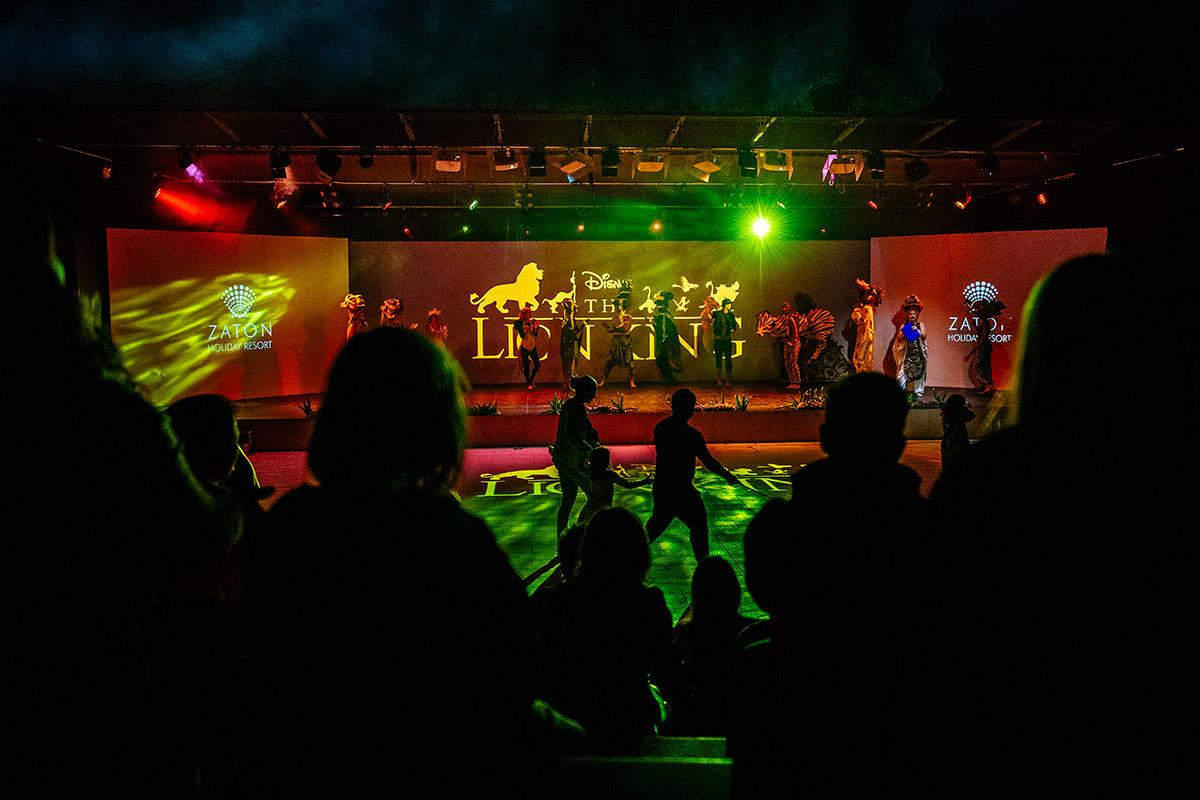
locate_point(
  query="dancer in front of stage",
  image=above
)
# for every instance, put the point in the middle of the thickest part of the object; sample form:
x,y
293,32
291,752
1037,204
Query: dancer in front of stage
x,y
570,337
528,330
356,308
573,445
666,338
677,445
869,298
724,325
434,328
981,353
391,313
910,349
604,480
620,350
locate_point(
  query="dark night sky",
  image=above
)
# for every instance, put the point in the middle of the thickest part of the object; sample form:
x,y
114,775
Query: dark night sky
x,y
962,57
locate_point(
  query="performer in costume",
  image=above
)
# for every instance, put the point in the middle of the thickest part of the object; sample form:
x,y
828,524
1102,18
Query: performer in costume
x,y
434,328
569,339
981,353
391,313
620,350
356,311
910,349
724,325
786,327
528,330
666,338
820,362
706,323
863,315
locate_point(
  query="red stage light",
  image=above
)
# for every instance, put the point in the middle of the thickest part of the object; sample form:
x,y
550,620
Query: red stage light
x,y
1042,199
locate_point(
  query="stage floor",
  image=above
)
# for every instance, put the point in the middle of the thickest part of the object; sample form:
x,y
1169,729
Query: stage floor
x,y
515,490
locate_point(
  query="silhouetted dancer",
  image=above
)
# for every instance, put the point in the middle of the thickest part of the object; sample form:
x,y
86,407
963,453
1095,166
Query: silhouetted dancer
x,y
573,443
677,445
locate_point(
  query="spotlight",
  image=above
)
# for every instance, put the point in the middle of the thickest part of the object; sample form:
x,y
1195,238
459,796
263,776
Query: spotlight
x,y
447,162
760,227
840,165
184,159
576,164
1042,198
281,159
366,156
988,163
875,162
328,164
916,169
523,199
537,162
504,160
651,162
748,163
776,160
330,201
705,165
963,200
610,161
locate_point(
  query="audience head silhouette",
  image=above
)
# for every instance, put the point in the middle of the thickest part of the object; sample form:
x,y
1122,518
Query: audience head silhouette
x,y
207,427
393,418
585,387
683,403
864,417
715,589
614,549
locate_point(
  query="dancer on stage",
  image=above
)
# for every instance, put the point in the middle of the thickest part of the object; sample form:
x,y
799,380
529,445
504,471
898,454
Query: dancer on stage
x,y
869,298
434,328
528,330
677,445
981,353
356,313
570,337
786,327
391,313
620,351
724,325
666,338
910,349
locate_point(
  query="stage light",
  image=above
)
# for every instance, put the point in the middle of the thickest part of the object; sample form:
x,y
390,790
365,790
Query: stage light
x,y
1042,198
328,164
761,227
873,205
330,201
366,156
504,160
576,165
776,160
963,200
656,226
836,164
988,163
474,204
537,162
523,199
705,165
184,159
280,161
748,163
610,161
651,162
447,162
875,163
916,169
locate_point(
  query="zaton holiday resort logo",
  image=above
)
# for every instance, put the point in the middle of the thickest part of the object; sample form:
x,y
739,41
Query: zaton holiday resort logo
x,y
966,328
245,334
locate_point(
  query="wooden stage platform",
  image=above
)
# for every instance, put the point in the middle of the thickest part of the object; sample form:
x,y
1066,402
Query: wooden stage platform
x,y
523,417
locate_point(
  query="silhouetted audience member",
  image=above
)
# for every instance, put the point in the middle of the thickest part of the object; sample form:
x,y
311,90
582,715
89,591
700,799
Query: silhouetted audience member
x,y
603,632
604,480
836,569
1063,548
393,646
677,445
955,439
97,509
706,638
573,443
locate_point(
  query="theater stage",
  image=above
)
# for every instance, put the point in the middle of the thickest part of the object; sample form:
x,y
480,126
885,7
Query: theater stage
x,y
523,417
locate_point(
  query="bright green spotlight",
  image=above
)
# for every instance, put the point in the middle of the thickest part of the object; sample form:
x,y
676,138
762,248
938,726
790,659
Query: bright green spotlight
x,y
761,227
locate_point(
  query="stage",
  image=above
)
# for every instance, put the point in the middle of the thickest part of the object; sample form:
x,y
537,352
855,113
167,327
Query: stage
x,y
523,417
